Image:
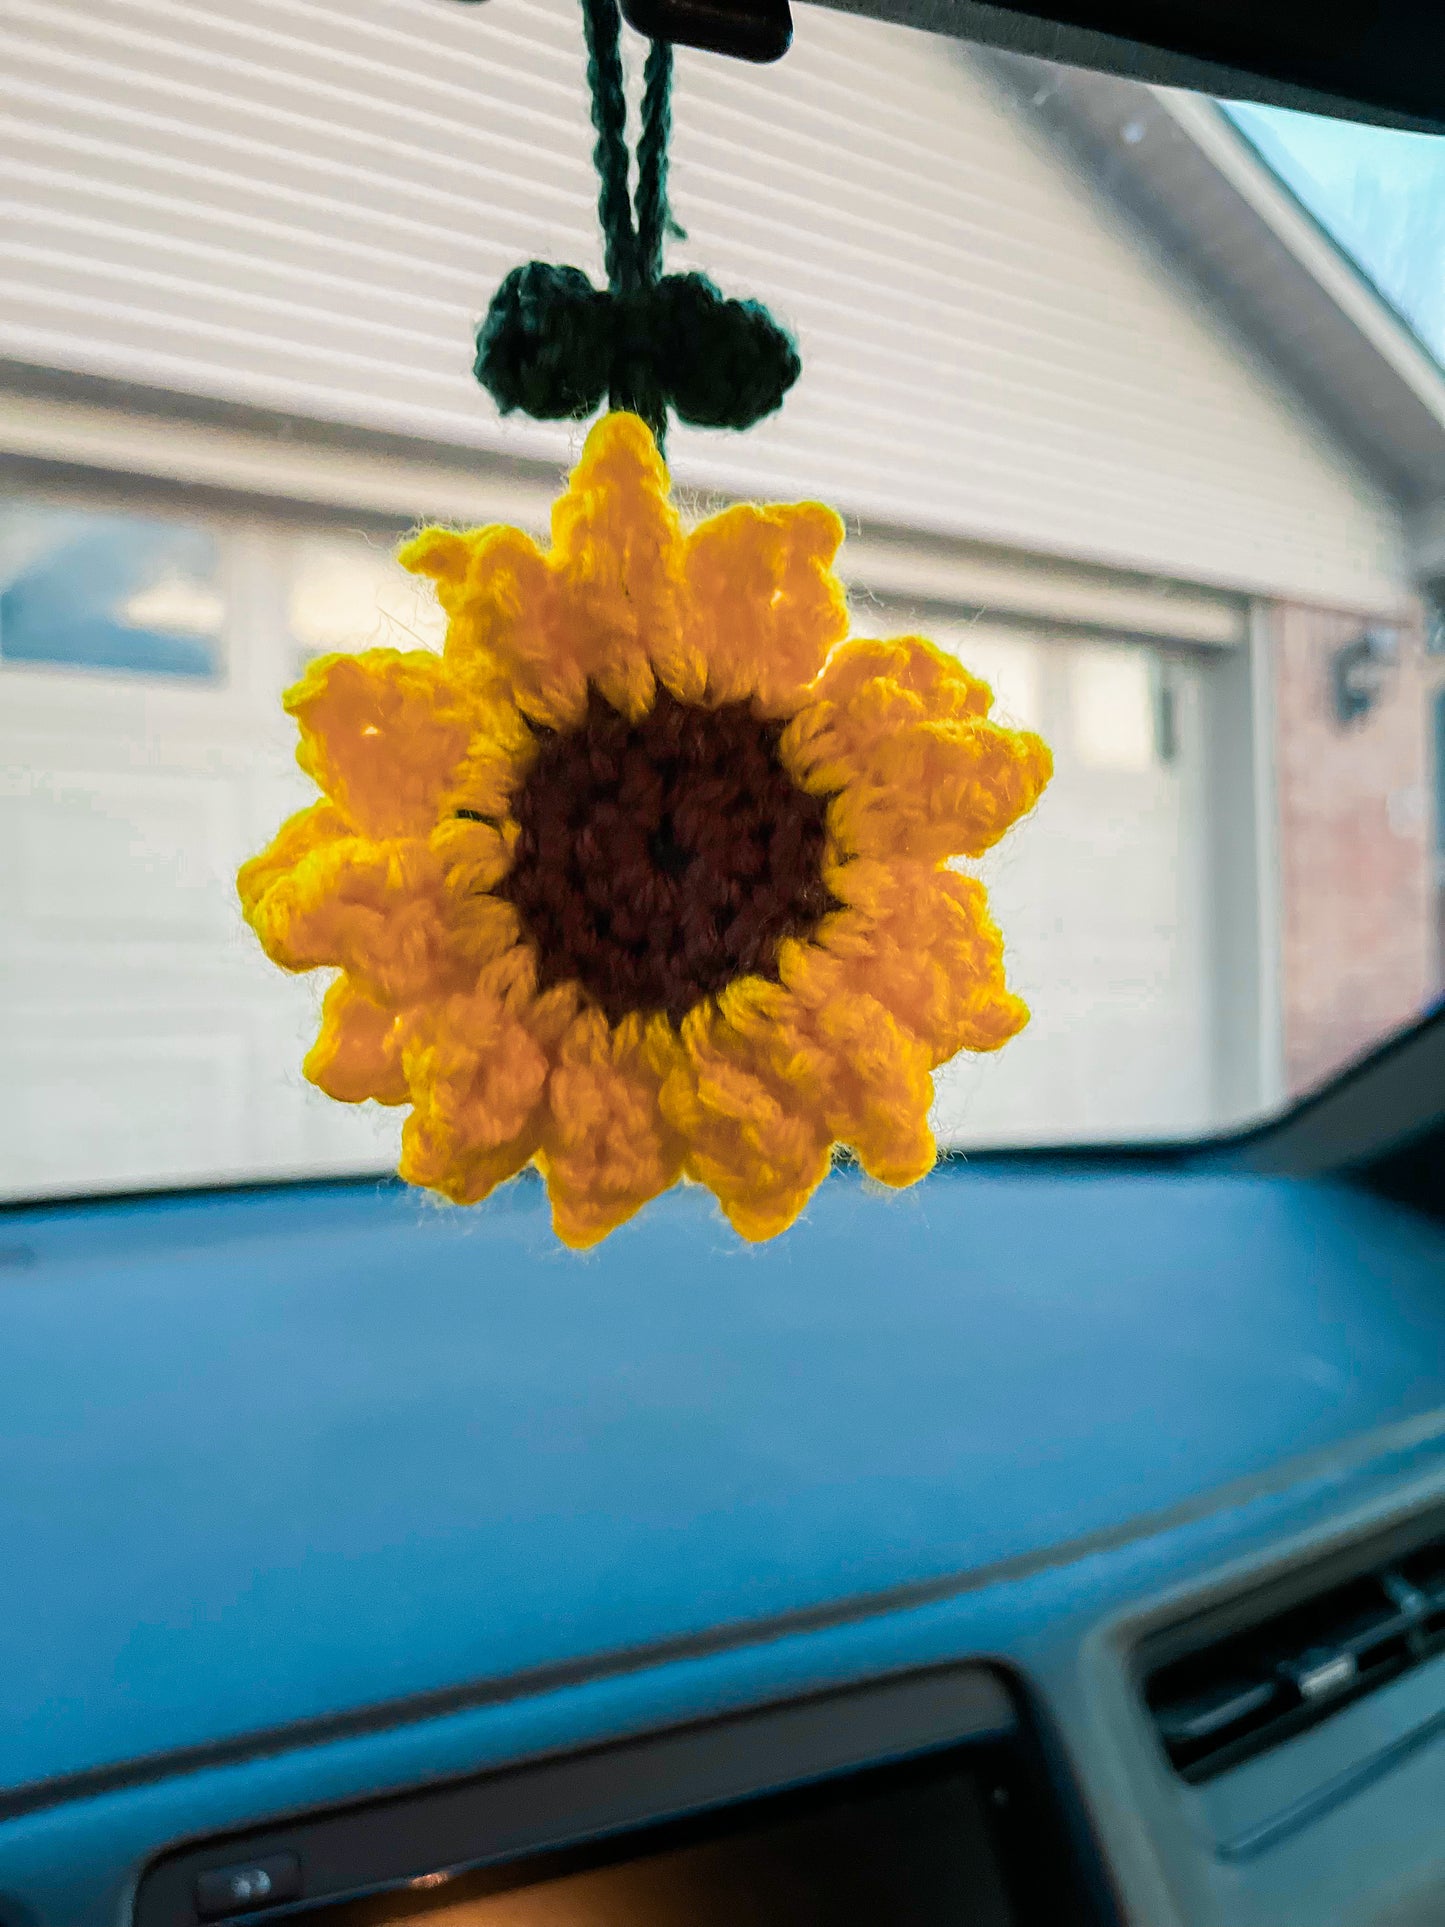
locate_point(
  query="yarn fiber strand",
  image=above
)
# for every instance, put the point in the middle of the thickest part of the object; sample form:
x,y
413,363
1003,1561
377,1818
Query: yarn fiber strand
x,y
602,24
653,213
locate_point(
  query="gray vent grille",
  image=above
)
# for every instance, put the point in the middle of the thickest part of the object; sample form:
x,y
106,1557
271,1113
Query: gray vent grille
x,y
1241,1694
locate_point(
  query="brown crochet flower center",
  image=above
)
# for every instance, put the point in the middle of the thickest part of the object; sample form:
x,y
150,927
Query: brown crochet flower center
x,y
659,860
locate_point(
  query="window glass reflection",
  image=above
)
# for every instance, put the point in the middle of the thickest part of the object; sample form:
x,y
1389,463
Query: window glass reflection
x,y
84,590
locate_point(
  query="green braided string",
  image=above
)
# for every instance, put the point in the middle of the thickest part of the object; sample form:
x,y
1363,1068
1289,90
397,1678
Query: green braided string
x,y
554,346
603,26
644,393
654,217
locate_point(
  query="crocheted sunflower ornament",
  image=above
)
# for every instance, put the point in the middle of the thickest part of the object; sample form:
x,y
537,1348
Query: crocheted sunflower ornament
x,y
647,875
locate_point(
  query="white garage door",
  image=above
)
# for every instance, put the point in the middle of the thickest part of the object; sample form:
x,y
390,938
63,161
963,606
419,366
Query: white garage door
x,y
1103,898
144,756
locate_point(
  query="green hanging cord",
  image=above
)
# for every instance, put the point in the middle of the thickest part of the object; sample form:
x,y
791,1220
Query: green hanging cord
x,y
654,216
631,270
554,347
642,383
602,24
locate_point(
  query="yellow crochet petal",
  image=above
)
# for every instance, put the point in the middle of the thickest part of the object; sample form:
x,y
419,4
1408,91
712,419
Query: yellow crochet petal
x,y
443,554
487,782
617,556
851,1063
959,1000
944,790
373,909
477,1068
357,1054
747,1136
882,1091
597,607
459,1176
297,837
763,606
922,942
868,690
900,679
473,858
606,1149
382,734
507,625
897,736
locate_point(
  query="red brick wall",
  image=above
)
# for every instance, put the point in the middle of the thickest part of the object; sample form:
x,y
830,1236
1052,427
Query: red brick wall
x,y
1357,908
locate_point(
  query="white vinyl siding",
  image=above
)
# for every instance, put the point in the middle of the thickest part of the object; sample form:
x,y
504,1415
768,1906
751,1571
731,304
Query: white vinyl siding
x,y
305,204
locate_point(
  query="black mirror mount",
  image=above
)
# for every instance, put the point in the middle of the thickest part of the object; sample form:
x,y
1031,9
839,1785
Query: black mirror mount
x,y
755,30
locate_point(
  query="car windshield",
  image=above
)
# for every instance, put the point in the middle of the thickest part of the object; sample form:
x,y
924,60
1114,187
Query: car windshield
x,y
1130,398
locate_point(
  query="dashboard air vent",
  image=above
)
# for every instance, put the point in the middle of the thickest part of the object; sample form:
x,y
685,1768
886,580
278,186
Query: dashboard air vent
x,y
1253,1688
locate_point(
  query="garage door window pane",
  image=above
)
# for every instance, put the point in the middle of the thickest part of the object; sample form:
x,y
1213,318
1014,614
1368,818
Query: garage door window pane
x,y
118,593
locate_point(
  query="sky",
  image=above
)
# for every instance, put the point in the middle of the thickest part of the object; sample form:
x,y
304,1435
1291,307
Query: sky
x,y
1378,192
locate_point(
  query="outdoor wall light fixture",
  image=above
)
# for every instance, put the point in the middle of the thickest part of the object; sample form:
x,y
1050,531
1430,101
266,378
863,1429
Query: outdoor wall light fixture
x,y
1359,670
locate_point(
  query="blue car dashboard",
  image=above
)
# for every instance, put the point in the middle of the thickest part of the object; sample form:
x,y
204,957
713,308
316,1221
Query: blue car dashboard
x,y
1068,1534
